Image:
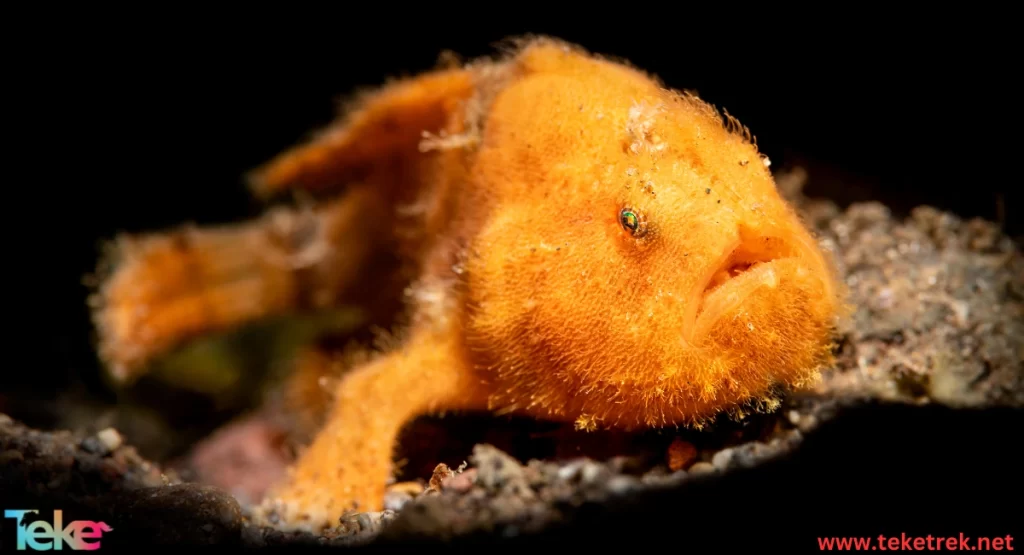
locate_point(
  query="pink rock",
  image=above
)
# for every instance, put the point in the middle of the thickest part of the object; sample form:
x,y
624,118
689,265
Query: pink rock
x,y
243,457
460,482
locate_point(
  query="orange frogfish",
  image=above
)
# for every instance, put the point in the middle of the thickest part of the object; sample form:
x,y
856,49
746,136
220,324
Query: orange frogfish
x,y
570,239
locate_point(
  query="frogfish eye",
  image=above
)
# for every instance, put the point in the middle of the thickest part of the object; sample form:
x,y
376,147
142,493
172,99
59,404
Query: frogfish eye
x,y
633,222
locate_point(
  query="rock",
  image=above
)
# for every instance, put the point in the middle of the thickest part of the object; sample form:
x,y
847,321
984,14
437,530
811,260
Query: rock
x,y
540,473
460,483
654,476
571,470
367,520
243,457
680,454
61,463
702,468
931,293
427,516
395,500
93,445
592,472
103,443
252,536
661,480
722,459
808,423
180,514
751,454
495,469
623,464
676,478
622,485
110,439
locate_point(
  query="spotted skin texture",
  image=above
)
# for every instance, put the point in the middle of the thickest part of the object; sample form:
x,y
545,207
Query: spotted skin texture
x,y
576,242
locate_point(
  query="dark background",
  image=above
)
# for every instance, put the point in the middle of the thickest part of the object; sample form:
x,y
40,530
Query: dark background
x,y
149,122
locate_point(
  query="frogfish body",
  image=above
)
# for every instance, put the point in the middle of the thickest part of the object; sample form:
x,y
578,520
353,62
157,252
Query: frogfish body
x,y
571,240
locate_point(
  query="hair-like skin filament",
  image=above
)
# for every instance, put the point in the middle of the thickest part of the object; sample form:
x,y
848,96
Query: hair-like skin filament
x,y
488,199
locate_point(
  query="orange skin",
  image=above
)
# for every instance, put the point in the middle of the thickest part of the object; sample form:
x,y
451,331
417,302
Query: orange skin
x,y
499,187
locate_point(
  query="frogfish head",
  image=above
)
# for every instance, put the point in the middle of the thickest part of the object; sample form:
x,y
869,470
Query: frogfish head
x,y
638,265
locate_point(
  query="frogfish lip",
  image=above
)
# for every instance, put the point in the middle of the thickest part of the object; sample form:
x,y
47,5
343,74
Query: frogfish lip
x,y
749,264
733,290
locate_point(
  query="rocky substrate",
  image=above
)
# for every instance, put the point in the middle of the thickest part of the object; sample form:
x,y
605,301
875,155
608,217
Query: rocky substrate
x,y
938,325
858,466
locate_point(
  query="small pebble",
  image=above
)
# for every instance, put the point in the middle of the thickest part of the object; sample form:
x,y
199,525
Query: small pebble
x,y
110,438
794,437
395,500
722,459
496,468
592,472
666,480
93,445
655,476
680,454
677,477
460,483
253,536
207,528
365,520
539,474
569,471
751,454
619,485
617,463
808,423
385,517
702,468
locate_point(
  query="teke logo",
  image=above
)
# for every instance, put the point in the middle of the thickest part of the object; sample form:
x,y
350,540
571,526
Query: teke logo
x,y
41,536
